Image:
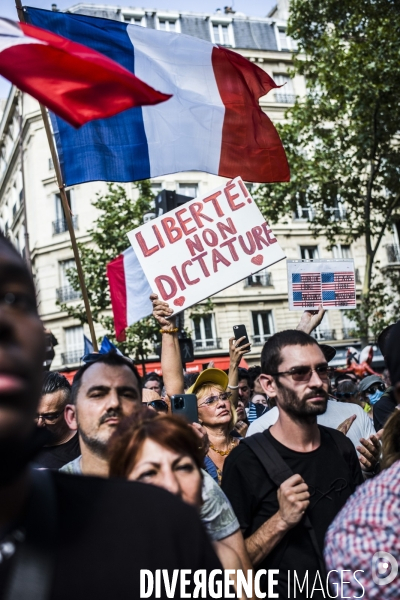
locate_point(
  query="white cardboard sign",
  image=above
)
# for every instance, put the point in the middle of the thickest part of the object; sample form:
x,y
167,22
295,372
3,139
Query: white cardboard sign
x,y
330,282
204,246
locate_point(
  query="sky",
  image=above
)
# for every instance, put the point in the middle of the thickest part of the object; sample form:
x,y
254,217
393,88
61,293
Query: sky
x,y
254,8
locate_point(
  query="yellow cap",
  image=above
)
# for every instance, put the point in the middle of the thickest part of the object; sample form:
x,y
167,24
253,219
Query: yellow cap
x,y
213,376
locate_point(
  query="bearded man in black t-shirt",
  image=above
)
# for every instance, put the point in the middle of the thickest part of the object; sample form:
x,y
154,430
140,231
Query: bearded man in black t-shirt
x,y
284,526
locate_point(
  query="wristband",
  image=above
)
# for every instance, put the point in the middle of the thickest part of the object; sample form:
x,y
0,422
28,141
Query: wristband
x,y
174,330
233,387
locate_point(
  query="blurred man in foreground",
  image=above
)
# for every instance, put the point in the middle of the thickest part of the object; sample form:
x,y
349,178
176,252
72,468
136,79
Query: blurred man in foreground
x,y
65,536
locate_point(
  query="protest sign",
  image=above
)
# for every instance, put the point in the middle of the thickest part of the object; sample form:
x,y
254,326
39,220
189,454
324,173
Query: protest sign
x,y
210,243
330,282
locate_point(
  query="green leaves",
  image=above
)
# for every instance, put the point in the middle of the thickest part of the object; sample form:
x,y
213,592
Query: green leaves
x,y
117,214
342,138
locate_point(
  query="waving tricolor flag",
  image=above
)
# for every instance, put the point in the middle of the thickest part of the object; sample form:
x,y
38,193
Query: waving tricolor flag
x,y
212,123
76,82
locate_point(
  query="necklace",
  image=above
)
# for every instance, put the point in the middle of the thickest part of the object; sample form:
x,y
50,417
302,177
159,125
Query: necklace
x,y
224,452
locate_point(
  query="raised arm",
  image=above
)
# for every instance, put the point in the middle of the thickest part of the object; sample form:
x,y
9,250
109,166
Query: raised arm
x,y
171,362
310,319
236,353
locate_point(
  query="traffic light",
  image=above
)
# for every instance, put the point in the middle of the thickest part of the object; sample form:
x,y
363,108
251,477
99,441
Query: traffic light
x,y
167,200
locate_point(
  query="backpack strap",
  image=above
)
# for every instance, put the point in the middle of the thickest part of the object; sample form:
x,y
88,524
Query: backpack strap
x,y
32,572
278,471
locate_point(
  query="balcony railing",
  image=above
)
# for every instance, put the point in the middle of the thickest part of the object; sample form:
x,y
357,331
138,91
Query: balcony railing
x,y
348,333
259,340
264,278
72,357
60,225
207,344
393,253
324,335
285,98
304,212
66,293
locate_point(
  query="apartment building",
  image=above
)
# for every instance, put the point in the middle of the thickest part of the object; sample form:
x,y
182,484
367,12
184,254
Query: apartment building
x,y
260,301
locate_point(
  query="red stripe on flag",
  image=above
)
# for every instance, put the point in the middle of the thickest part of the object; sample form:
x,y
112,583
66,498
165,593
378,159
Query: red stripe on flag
x,y
76,82
251,146
117,284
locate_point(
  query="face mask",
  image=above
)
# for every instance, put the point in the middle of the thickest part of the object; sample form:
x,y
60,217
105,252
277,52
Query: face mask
x,y
373,398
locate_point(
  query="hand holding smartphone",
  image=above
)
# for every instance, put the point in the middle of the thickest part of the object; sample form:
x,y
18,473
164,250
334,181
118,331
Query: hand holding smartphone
x,y
239,331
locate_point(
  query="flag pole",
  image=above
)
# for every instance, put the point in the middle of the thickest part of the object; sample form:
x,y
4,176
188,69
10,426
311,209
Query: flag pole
x,y
66,207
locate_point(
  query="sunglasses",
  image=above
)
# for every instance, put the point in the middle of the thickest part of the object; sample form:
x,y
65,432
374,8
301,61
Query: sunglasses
x,y
213,399
304,373
158,405
374,388
49,417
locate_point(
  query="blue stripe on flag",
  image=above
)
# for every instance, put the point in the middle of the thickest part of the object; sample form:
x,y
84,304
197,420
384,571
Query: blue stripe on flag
x,y
113,149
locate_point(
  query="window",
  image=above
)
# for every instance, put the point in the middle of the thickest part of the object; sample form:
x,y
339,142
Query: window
x,y
135,20
341,251
283,39
323,332
205,335
349,328
285,94
222,33
303,209
309,252
60,224
74,345
66,292
188,189
166,25
263,326
261,278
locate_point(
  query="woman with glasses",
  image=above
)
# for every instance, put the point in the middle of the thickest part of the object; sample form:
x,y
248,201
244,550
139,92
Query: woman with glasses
x,y
217,414
218,417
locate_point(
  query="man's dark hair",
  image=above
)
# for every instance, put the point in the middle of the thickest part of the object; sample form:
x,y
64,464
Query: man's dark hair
x,y
54,382
152,377
112,359
244,374
271,356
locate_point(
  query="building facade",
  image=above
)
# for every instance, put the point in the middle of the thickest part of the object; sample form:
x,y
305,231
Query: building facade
x,y
260,301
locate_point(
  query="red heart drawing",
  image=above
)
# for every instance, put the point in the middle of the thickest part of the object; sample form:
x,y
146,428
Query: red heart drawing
x,y
257,260
179,301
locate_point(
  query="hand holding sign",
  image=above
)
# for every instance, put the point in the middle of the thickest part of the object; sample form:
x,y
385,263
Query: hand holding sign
x,y
210,243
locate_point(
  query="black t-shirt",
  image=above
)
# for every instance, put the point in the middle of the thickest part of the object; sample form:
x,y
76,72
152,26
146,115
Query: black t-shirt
x,y
384,408
55,457
331,478
110,529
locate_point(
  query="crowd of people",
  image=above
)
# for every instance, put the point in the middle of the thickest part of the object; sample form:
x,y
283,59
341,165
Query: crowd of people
x,y
291,466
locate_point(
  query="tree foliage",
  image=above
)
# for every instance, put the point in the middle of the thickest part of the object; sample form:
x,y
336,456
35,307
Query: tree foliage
x,y
118,215
342,138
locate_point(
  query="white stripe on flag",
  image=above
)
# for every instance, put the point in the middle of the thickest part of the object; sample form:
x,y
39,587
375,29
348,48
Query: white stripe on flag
x,y
12,35
185,132
138,290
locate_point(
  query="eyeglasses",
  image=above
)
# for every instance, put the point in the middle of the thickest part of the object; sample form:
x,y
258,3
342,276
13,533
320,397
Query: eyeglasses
x,y
304,373
374,388
213,399
346,395
158,405
49,417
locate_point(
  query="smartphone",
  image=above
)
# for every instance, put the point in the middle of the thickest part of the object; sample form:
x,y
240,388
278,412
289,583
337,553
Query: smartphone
x,y
185,405
240,331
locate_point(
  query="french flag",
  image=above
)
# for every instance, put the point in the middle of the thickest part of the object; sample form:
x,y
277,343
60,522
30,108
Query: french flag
x,y
212,122
129,292
76,82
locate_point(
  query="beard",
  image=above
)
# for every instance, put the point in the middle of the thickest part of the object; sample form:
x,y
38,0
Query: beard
x,y
298,407
95,443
